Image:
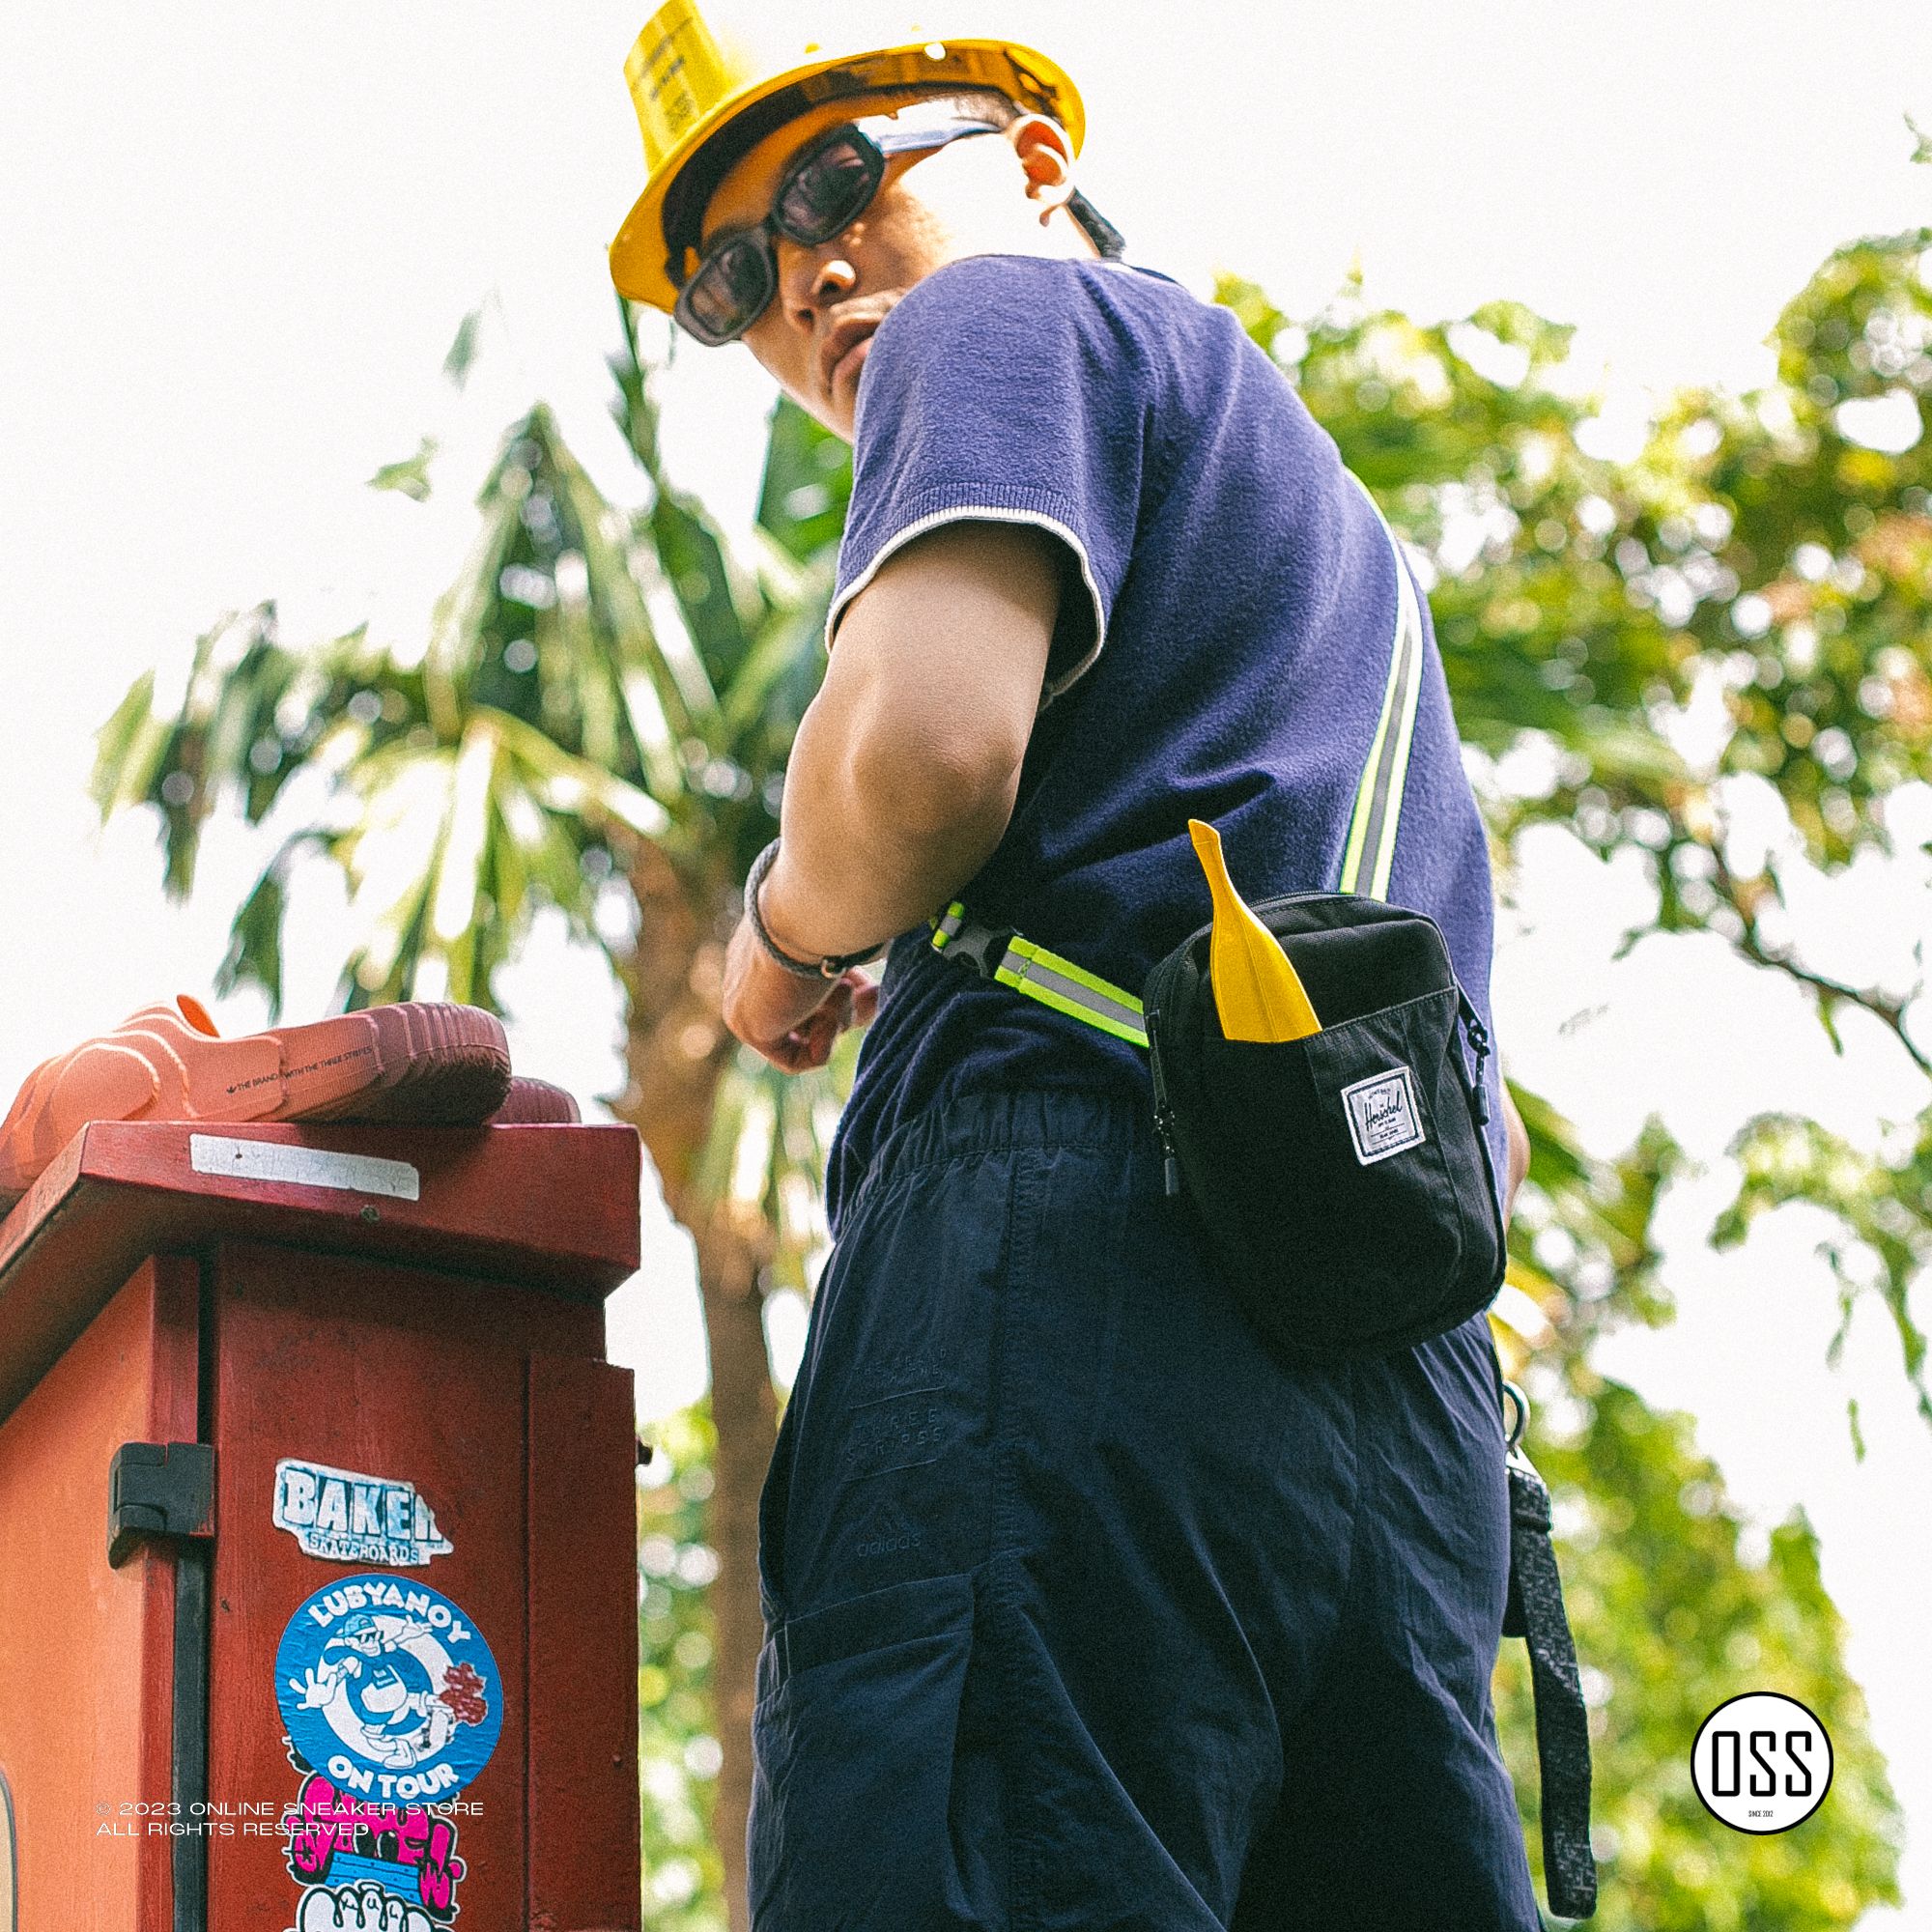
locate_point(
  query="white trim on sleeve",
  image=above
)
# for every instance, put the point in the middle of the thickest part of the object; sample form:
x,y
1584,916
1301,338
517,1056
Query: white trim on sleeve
x,y
975,513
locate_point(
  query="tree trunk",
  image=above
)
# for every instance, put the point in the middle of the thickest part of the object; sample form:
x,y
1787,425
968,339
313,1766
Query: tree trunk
x,y
678,1050
745,1412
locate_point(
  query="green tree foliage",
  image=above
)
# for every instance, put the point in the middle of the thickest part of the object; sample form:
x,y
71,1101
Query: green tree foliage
x,y
472,782
591,680
1671,1618
1762,563
1881,1207
1672,1608
678,1752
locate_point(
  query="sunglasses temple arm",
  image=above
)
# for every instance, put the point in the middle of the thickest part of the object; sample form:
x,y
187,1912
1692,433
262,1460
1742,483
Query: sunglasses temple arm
x,y
1102,232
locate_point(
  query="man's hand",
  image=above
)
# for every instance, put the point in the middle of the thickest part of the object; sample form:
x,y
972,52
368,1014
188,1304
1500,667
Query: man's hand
x,y
793,1021
1518,1151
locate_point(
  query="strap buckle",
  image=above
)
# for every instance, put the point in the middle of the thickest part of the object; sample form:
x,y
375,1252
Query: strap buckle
x,y
981,946
1520,1404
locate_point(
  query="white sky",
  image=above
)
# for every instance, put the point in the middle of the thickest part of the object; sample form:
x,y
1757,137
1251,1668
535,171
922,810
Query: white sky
x,y
238,240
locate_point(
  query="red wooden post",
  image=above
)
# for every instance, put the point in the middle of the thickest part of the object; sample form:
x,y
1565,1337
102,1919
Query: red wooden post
x,y
381,1669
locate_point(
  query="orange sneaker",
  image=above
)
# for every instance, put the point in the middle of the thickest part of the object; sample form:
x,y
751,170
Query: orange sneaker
x,y
534,1103
441,1065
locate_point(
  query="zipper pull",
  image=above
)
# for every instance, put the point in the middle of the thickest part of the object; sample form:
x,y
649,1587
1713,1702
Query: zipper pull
x,y
1162,1118
1479,1042
1171,1161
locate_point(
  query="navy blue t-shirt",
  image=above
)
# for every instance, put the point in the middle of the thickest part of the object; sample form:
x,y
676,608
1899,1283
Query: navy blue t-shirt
x,y
1226,650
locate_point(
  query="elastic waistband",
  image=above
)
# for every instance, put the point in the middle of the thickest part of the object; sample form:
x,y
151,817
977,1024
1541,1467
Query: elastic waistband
x,y
1034,1117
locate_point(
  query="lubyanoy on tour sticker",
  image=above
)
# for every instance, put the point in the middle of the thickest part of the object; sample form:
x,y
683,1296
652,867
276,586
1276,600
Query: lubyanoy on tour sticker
x,y
388,1690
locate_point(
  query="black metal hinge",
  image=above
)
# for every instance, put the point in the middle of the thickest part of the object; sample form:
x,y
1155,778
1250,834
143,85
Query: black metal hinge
x,y
159,1488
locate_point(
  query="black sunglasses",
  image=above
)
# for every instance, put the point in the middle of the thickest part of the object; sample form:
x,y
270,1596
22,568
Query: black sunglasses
x,y
826,189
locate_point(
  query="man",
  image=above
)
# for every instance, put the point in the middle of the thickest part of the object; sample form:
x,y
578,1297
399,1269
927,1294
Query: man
x,y
1084,1610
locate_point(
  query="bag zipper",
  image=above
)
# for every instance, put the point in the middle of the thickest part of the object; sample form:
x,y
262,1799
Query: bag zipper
x,y
1479,1106
1163,1114
1479,1041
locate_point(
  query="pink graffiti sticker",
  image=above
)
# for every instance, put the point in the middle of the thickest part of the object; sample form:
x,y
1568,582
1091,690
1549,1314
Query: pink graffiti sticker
x,y
344,1843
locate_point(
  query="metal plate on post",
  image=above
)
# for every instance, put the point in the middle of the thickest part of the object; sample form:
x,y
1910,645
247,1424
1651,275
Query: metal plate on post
x,y
304,1166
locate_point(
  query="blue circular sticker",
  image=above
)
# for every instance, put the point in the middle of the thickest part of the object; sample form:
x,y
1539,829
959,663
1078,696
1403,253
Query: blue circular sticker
x,y
388,1690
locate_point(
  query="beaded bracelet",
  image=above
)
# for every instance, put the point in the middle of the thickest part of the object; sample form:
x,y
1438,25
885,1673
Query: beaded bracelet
x,y
827,968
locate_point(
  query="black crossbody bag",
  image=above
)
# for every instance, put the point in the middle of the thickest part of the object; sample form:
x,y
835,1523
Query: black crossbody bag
x,y
1346,1186
1344,1180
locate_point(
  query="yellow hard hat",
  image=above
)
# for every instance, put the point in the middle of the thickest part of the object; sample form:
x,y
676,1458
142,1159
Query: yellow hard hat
x,y
700,107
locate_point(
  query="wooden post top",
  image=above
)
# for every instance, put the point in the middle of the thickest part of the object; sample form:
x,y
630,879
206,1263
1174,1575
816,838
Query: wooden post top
x,y
554,1207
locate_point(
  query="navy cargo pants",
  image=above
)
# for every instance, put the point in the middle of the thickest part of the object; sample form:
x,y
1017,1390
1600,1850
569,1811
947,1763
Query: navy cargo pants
x,y
1085,1615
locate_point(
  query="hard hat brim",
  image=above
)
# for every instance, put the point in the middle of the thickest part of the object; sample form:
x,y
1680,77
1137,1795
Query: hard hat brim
x,y
641,252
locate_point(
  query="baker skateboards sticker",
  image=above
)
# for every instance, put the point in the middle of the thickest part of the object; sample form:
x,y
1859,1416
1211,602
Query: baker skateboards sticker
x,y
350,1518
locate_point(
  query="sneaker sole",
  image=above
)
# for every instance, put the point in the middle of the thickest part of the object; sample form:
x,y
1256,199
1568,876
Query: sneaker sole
x,y
416,1063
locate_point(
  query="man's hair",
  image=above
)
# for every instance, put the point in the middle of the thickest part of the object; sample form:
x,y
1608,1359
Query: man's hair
x,y
981,103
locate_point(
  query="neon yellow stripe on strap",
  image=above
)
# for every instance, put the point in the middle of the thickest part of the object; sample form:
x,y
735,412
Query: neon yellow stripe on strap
x,y
1072,989
1368,856
1041,976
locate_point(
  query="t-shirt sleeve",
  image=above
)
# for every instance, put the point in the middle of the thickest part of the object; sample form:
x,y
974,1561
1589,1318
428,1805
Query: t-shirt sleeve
x,y
1000,390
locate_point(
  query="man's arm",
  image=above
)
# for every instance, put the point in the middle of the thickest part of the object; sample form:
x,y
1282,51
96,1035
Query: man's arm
x,y
903,773
1518,1150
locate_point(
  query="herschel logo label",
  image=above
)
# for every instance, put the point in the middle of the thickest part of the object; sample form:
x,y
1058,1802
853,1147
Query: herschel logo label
x,y
351,1517
1382,1115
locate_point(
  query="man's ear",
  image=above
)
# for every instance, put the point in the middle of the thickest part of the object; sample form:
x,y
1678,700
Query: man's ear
x,y
1045,159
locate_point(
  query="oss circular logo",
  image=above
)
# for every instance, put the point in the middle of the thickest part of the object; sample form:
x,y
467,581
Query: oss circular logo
x,y
1761,1762
388,1690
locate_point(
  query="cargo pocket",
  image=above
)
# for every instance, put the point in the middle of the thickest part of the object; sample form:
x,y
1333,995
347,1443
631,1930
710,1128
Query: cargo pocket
x,y
854,1738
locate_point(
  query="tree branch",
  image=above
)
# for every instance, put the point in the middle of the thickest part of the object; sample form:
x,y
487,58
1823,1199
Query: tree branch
x,y
1751,943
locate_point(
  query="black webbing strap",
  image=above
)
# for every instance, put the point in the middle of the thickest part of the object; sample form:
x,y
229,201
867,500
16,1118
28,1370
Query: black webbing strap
x,y
1535,1613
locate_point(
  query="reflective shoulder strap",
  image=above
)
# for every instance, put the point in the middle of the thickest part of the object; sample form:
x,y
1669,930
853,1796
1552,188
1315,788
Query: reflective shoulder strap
x,y
1368,855
1040,975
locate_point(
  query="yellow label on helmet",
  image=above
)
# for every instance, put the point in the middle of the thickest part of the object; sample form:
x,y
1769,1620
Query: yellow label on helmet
x,y
676,72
